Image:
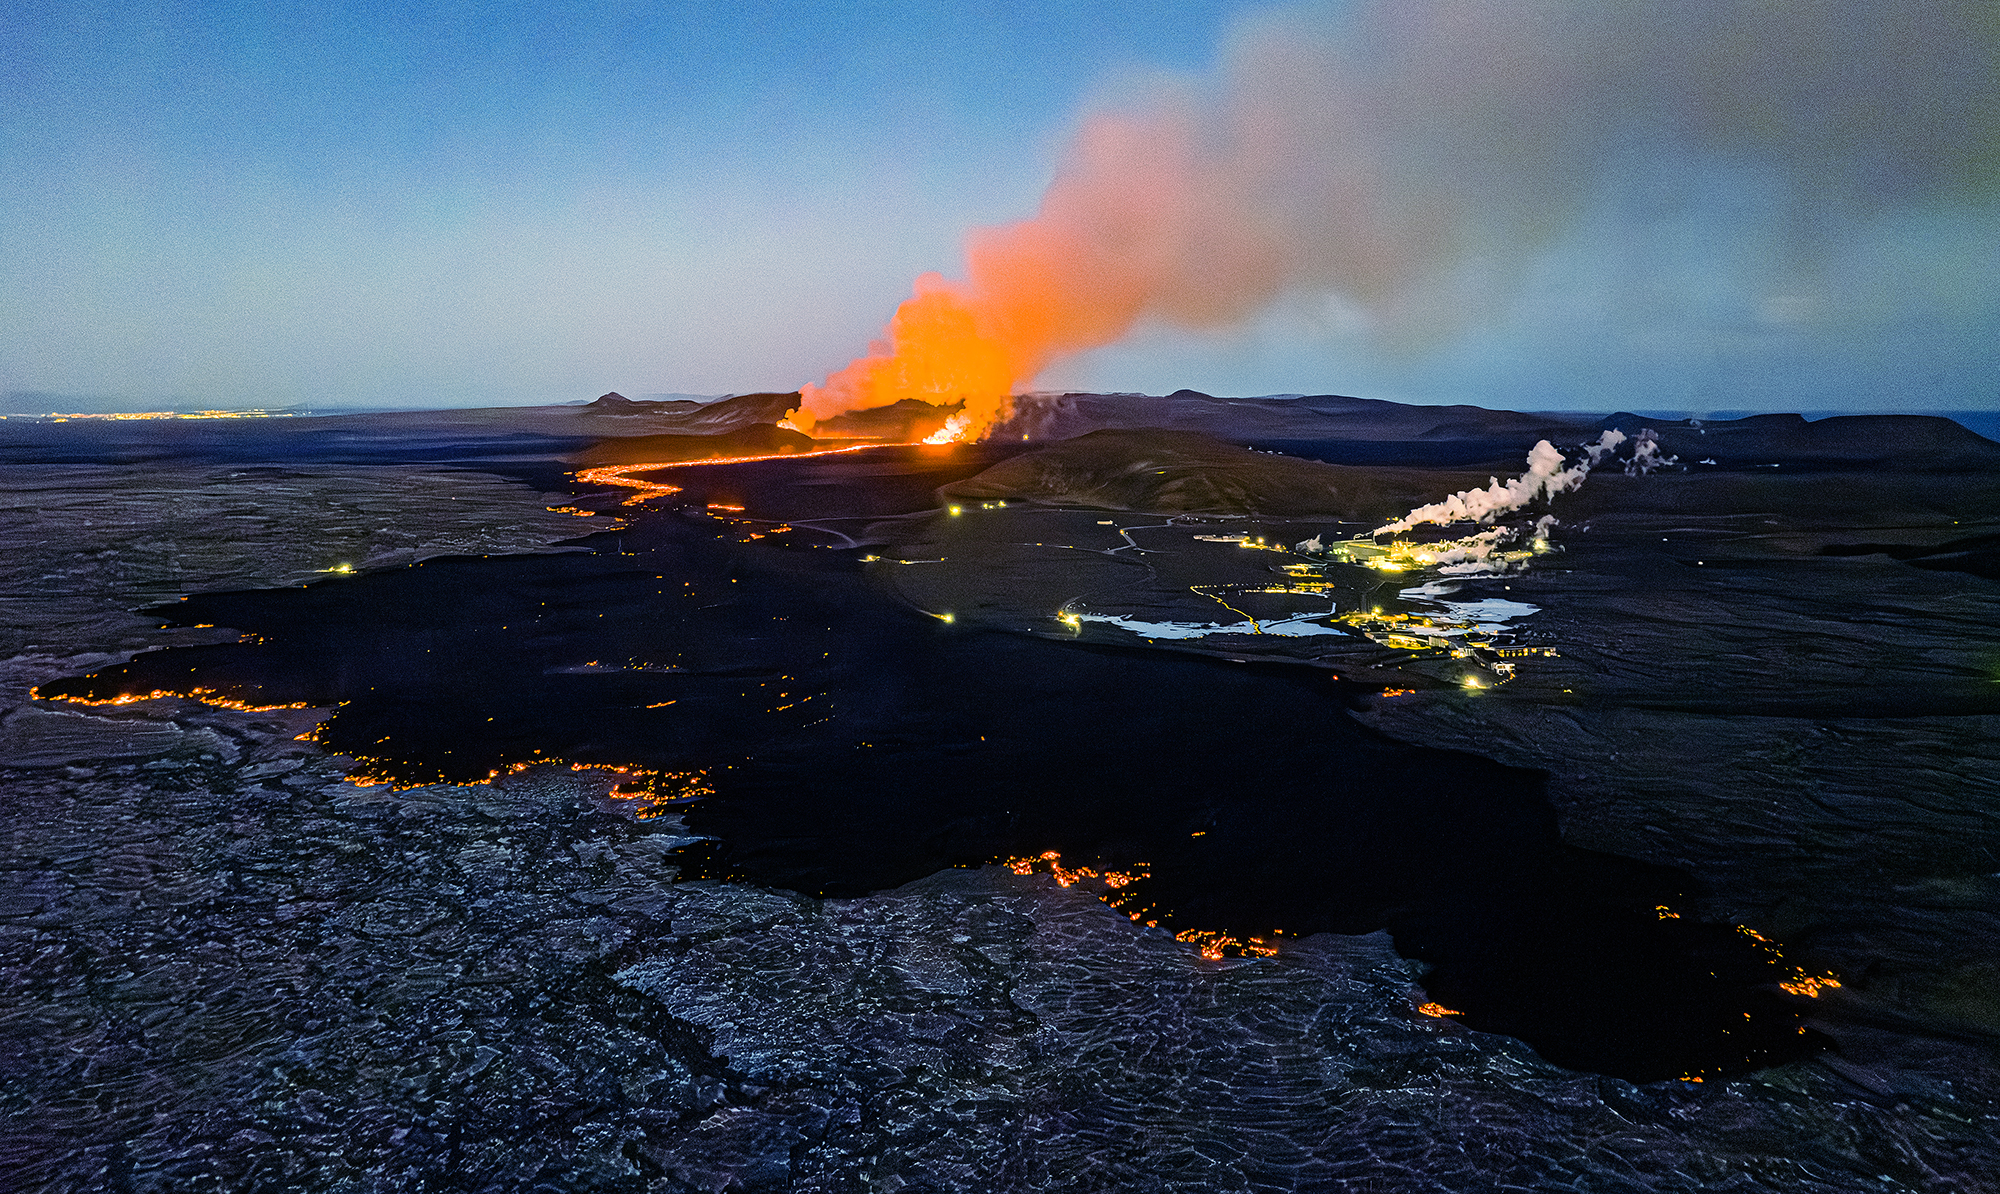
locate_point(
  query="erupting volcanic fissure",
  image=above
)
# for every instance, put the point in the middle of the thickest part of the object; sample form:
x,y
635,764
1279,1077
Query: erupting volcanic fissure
x,y
1404,166
1137,222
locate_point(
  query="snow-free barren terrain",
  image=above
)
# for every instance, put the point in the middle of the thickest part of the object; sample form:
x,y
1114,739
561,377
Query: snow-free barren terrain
x,y
645,796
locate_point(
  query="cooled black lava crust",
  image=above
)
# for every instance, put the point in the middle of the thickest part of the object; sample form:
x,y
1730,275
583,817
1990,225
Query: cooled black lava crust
x,y
854,744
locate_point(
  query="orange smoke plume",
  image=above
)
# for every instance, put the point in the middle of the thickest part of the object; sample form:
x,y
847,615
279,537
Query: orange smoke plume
x,y
1134,223
939,350
1411,159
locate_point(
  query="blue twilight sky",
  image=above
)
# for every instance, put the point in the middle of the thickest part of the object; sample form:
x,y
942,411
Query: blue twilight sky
x,y
465,204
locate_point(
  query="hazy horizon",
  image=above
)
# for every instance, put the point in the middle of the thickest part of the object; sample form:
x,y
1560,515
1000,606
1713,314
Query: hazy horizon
x,y
34,405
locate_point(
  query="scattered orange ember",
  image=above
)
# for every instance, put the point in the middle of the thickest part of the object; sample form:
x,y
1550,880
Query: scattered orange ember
x,y
1121,892
206,696
1118,892
1810,985
1801,983
1438,1010
1050,863
1216,946
652,793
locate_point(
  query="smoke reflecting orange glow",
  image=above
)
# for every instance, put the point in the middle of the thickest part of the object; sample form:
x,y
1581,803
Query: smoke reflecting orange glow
x,y
1136,222
941,349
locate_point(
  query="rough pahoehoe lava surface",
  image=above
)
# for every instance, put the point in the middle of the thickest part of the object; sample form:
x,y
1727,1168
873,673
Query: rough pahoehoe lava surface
x,y
391,806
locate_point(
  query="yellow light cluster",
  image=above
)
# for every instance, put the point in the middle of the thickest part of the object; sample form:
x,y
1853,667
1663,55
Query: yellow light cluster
x,y
1403,556
1424,635
1253,542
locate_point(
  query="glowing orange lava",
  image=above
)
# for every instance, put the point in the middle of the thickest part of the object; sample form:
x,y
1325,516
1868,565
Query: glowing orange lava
x,y
1801,983
1216,946
1050,863
1809,985
615,474
206,696
621,474
1121,891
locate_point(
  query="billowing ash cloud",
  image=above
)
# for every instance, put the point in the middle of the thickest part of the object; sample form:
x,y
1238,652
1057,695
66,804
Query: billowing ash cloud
x,y
1383,153
1411,157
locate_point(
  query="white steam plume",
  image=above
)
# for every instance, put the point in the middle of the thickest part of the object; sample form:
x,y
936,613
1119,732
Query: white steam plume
x,y
1497,549
1546,476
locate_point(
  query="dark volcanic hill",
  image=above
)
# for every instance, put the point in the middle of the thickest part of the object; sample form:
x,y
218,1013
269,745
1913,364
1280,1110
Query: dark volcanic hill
x,y
1919,443
1183,472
